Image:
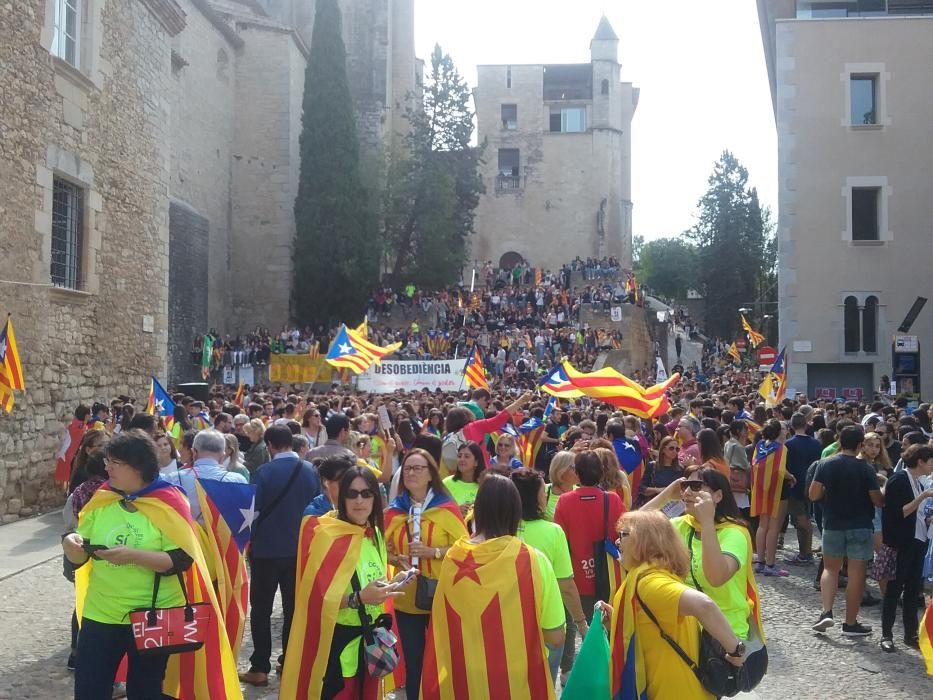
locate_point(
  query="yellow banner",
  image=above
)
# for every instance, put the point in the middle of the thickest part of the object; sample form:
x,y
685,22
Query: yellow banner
x,y
299,369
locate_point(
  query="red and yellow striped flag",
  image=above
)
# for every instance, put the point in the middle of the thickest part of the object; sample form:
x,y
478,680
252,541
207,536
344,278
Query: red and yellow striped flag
x,y
733,352
474,372
926,638
11,370
618,390
754,337
769,467
485,638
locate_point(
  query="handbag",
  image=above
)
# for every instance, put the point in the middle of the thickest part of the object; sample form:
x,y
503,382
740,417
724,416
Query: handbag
x,y
380,645
159,631
425,588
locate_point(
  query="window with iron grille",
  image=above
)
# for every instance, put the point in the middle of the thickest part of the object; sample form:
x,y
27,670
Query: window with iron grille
x,y
67,234
66,30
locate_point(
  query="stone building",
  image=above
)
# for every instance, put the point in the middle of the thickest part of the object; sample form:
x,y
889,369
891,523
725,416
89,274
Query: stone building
x,y
848,82
558,159
148,170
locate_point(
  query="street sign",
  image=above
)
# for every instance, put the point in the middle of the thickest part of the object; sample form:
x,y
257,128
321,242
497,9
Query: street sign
x,y
825,393
766,355
906,343
741,344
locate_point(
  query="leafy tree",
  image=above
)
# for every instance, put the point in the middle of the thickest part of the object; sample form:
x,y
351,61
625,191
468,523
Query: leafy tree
x,y
434,186
638,243
734,253
337,251
668,267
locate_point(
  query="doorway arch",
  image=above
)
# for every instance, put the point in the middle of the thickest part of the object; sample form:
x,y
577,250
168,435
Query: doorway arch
x,y
510,260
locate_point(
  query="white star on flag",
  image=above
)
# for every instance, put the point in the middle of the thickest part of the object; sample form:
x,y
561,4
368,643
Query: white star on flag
x,y
3,348
345,349
249,515
159,406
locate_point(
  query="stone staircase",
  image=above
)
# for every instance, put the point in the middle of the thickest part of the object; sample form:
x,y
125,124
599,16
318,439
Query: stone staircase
x,y
637,345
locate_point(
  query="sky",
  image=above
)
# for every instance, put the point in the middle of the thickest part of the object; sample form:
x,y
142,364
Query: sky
x,y
700,67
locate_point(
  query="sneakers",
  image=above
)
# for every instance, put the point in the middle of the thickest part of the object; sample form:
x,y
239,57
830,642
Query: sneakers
x,y
855,630
825,622
887,645
772,570
759,567
868,600
800,559
119,691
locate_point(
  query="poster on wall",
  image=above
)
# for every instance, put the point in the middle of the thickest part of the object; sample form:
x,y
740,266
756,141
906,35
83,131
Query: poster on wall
x,y
825,393
412,375
615,313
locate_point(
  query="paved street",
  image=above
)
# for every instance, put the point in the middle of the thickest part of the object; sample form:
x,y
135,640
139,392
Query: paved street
x,y
35,606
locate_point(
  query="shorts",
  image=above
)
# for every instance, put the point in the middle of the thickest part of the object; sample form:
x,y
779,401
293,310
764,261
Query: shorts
x,y
797,507
854,544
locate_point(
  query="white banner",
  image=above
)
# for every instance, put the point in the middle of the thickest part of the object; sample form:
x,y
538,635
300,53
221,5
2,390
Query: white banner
x,y
412,375
247,375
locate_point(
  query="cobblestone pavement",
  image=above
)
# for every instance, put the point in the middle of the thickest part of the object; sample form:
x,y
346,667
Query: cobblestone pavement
x,y
35,607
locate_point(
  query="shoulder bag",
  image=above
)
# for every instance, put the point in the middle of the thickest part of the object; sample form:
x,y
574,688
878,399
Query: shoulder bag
x,y
602,550
159,631
380,645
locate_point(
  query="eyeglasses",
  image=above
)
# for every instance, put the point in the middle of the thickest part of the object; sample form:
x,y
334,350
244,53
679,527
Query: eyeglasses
x,y
415,468
622,535
692,485
365,494
113,462
315,415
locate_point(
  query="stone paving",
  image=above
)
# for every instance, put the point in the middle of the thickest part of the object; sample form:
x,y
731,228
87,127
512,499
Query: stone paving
x,y
35,607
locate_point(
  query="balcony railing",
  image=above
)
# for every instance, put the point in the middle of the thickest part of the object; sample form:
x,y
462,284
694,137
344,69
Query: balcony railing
x,y
508,183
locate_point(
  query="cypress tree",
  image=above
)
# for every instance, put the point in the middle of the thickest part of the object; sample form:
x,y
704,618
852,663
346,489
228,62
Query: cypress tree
x,y
336,259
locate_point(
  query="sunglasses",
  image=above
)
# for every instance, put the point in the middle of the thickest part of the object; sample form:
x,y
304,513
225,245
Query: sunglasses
x,y
692,485
353,494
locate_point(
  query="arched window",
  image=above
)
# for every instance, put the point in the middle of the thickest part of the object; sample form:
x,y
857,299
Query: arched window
x,y
605,87
870,325
851,324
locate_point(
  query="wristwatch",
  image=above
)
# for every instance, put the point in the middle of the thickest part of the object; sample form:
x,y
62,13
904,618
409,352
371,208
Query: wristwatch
x,y
739,650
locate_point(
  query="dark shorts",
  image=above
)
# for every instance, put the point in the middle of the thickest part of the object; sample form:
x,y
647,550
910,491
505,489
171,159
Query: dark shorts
x,y
854,544
797,507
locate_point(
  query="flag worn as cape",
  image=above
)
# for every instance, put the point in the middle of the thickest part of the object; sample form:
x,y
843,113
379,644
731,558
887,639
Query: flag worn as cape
x,y
769,467
328,552
228,510
485,638
71,440
442,512
209,673
751,587
627,663
926,638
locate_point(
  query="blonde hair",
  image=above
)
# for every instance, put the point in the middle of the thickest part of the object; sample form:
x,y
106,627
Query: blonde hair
x,y
514,452
883,459
255,427
233,446
561,462
613,479
652,539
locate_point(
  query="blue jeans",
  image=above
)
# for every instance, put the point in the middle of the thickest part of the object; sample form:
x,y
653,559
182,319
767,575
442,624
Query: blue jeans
x,y
412,631
100,649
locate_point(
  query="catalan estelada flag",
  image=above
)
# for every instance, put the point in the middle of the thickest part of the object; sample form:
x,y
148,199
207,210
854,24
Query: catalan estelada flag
x,y
754,337
774,386
209,673
328,552
11,369
556,383
610,386
228,510
753,427
629,679
74,433
769,467
474,371
926,638
485,638
733,352
632,461
160,403
354,352
529,443
238,397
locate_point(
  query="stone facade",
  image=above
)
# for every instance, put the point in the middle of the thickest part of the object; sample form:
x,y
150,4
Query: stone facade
x,y
567,189
100,126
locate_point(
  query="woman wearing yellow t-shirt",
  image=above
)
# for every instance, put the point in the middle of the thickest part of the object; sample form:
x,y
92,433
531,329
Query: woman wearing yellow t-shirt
x,y
657,561
342,564
464,483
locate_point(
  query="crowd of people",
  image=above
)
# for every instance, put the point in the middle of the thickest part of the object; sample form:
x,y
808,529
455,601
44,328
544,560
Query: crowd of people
x,y
413,525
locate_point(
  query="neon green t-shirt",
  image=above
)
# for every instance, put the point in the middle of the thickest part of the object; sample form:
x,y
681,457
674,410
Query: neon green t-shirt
x,y
552,606
549,539
731,597
551,503
830,450
115,589
462,491
371,567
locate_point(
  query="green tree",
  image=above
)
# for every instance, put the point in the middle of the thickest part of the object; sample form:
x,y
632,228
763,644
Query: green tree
x,y
434,186
668,267
336,247
734,249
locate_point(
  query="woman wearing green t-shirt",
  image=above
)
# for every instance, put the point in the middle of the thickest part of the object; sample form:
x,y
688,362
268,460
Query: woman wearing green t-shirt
x,y
464,483
563,479
549,539
342,565
132,552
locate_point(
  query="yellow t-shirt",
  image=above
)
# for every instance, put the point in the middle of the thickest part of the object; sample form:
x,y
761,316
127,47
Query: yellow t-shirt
x,y
669,678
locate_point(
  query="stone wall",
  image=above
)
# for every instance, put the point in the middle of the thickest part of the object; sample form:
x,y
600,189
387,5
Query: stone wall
x,y
189,239
103,127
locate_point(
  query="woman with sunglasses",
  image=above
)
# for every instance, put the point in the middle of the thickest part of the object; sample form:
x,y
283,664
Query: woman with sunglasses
x,y
656,563
506,453
662,472
422,523
349,546
721,564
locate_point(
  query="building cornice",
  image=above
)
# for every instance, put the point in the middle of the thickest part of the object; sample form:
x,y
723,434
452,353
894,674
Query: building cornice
x,y
212,16
169,14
